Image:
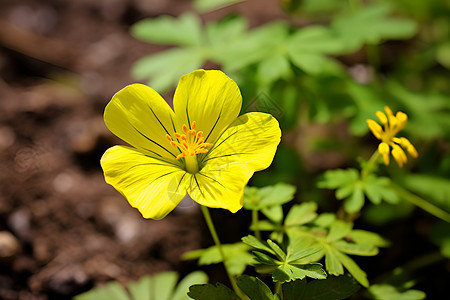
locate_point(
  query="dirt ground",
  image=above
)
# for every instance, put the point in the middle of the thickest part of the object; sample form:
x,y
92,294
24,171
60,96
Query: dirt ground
x,y
62,228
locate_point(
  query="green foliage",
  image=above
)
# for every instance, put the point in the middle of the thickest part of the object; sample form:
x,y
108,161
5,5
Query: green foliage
x,y
162,286
237,257
332,288
211,292
284,267
312,237
389,292
351,188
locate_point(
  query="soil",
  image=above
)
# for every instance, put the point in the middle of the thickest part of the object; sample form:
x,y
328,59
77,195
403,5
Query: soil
x,y
62,228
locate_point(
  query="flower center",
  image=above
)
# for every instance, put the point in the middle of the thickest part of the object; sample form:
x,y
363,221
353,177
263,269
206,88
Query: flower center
x,y
190,143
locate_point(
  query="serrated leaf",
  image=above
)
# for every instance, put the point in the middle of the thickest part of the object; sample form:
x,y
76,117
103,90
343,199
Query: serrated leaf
x,y
332,262
355,249
379,188
300,214
353,268
265,259
184,30
333,179
278,251
338,230
289,272
355,202
275,195
255,289
325,220
367,238
255,243
211,292
332,288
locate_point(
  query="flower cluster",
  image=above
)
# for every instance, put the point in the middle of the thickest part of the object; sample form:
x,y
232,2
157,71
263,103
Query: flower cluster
x,y
389,142
202,147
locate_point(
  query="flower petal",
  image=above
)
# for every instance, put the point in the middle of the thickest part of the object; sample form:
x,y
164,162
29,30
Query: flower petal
x,y
252,140
399,155
384,150
138,115
210,98
376,129
153,186
220,185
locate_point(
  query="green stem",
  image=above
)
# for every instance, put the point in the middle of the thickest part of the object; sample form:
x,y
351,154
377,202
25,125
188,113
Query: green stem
x,y
255,222
278,289
215,237
422,203
370,166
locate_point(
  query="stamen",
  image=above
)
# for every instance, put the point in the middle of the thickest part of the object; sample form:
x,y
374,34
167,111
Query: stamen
x,y
190,143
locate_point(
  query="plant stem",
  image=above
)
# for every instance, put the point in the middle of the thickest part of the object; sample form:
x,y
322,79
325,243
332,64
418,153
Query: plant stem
x,y
422,203
215,237
278,289
371,163
255,224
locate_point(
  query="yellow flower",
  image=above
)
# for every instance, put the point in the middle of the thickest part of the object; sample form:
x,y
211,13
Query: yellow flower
x,y
389,142
201,147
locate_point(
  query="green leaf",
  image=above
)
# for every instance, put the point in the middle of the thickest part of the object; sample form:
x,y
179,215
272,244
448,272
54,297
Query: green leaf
x,y
237,257
161,286
300,248
184,30
110,291
371,24
334,179
275,195
278,251
367,238
332,288
273,68
209,5
389,292
255,289
338,230
379,188
301,214
289,272
211,292
356,200
353,268
175,63
182,288
274,213
332,262
355,249
325,220
265,259
255,243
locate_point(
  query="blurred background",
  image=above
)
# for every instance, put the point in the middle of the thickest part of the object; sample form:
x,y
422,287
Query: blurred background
x,y
63,230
